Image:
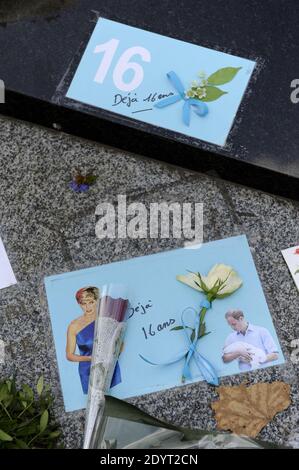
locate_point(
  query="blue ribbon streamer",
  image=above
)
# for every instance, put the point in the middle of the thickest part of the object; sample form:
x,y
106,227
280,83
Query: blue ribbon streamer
x,y
205,368
199,107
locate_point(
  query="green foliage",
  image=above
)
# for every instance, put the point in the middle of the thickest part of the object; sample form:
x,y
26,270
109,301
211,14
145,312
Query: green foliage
x,y
192,337
177,328
206,90
25,420
223,76
213,93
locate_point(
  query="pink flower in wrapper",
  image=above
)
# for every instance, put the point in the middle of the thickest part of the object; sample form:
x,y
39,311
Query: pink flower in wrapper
x,y
113,308
105,370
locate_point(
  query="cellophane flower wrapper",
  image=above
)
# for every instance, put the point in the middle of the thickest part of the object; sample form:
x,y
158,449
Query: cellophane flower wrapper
x,y
110,327
123,434
129,427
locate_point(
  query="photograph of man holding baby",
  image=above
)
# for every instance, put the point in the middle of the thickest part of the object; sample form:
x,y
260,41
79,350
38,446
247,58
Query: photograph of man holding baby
x,y
252,345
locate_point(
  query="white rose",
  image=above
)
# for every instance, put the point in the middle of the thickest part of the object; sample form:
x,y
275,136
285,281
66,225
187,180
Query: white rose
x,y
221,281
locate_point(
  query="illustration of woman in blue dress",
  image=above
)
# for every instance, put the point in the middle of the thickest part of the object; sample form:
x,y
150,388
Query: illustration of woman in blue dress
x,y
80,335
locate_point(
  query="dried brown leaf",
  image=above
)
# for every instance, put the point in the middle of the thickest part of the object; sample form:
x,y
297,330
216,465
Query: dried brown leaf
x,y
246,410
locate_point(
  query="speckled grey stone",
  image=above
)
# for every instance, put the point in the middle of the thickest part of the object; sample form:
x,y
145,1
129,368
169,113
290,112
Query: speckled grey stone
x,y
49,229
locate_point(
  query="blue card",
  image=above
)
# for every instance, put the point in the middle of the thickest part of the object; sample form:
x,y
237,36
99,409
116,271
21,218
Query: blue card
x,y
162,81
159,305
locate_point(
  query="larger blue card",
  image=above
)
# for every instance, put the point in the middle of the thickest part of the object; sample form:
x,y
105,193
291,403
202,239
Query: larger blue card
x,y
239,325
161,81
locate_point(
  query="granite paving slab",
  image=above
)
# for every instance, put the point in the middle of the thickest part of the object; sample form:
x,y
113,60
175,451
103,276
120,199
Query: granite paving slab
x,y
49,229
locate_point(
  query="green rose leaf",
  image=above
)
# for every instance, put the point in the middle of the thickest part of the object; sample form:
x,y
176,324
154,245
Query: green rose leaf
x,y
4,436
213,93
44,421
223,76
176,328
40,386
202,330
192,337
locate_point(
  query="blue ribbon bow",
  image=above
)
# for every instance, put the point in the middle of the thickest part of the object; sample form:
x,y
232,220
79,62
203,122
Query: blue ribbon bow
x,y
200,108
205,368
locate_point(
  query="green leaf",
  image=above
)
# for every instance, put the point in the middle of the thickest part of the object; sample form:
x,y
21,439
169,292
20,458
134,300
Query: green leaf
x,y
8,384
176,328
205,334
28,427
44,421
213,94
202,330
54,434
296,272
21,444
28,392
192,337
7,401
223,76
28,430
4,436
4,393
40,386
203,286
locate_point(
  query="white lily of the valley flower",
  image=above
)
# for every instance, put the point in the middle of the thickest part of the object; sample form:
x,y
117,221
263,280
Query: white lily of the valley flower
x,y
221,281
201,93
